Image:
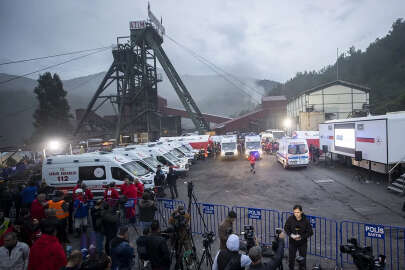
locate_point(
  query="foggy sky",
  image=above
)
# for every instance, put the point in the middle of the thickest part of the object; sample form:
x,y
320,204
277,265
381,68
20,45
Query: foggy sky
x,y
258,39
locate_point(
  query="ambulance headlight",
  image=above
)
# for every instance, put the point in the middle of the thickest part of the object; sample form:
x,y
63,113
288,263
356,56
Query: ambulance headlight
x,y
222,153
235,152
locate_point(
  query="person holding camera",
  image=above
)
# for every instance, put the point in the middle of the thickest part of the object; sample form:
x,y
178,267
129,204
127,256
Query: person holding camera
x,y
180,221
299,229
225,229
230,258
255,254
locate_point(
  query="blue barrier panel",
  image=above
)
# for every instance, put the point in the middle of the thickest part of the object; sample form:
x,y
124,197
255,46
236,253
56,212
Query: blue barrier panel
x,y
383,239
324,242
265,222
213,215
165,209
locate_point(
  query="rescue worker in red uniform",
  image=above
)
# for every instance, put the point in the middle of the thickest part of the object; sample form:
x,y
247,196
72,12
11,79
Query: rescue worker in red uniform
x,y
252,160
131,192
111,195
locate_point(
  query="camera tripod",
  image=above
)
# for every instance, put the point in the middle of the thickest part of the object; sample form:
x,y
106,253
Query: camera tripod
x,y
208,236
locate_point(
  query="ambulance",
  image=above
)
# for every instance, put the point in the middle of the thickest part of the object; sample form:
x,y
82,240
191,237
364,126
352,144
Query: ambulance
x,y
97,170
253,145
229,147
293,153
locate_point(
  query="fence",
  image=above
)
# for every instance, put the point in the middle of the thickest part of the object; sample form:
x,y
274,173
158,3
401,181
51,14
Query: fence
x,y
325,243
383,239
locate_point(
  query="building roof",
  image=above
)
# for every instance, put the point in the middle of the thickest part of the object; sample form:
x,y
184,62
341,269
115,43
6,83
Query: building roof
x,y
329,84
274,98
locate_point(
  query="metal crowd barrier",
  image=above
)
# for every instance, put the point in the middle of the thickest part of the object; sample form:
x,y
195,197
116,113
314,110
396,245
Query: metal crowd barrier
x,y
264,221
384,239
213,215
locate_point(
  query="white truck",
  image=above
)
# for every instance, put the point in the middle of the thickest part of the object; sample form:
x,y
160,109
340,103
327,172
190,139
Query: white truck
x,y
378,140
229,147
97,170
293,153
253,145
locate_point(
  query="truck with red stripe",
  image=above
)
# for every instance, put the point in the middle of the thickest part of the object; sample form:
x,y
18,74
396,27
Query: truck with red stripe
x,y
372,142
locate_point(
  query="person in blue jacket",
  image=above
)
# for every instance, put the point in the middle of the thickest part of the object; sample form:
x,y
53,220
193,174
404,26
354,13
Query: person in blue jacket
x,y
29,194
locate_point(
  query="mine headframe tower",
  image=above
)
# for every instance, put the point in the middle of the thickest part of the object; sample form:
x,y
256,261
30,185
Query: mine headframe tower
x,y
134,72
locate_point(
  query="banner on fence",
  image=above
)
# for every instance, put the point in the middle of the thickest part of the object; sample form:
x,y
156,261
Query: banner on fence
x,y
374,231
254,213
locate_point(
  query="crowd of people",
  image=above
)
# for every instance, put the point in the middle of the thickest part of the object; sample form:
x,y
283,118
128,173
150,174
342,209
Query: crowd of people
x,y
38,234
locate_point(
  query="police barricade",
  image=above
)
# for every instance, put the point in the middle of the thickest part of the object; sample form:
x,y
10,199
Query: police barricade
x,y
212,215
324,242
264,221
383,239
165,208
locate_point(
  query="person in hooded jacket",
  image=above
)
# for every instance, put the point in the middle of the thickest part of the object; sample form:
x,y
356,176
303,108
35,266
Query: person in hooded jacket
x,y
172,182
230,258
97,221
47,252
299,229
109,221
122,253
147,209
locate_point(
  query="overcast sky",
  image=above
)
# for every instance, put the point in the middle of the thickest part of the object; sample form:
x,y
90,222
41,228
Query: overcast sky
x,y
259,39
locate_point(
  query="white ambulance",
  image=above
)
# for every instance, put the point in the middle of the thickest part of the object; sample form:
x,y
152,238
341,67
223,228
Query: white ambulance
x,y
293,152
253,145
229,147
97,170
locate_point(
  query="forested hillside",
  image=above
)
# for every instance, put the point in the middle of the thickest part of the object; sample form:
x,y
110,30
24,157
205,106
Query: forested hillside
x,y
381,67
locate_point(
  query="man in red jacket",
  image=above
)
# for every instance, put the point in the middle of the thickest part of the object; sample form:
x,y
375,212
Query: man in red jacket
x,y
140,188
38,207
87,194
131,193
111,195
78,185
124,186
252,160
47,252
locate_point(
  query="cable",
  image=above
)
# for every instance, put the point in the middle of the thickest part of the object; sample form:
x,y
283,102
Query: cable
x,y
51,56
33,106
215,68
51,66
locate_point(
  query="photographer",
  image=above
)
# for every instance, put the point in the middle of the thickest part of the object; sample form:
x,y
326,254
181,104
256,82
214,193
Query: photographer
x,y
230,258
180,221
225,229
255,254
299,230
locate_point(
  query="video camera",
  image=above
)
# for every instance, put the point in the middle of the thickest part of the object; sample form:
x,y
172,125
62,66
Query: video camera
x,y
249,236
180,220
363,256
208,238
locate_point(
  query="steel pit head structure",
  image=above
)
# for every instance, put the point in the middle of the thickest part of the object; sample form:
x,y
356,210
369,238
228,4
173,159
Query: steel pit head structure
x,y
134,73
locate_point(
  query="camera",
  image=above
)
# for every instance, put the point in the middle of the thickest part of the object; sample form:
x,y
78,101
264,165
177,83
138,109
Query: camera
x,y
208,238
179,220
363,256
249,236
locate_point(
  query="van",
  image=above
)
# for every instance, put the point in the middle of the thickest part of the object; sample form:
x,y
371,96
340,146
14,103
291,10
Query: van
x,y
253,145
229,147
293,153
97,170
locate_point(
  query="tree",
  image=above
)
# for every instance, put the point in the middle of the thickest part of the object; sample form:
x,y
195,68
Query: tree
x,y
52,117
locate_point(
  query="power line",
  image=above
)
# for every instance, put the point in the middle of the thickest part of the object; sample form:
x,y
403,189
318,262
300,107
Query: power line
x,y
33,106
51,56
218,70
52,66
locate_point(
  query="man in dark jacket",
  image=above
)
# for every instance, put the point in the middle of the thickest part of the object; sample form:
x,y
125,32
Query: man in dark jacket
x,y
122,253
225,229
172,182
97,221
230,258
299,229
147,209
158,181
157,249
110,221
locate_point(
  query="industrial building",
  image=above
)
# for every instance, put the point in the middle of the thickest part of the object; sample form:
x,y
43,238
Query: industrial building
x,y
334,100
270,115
